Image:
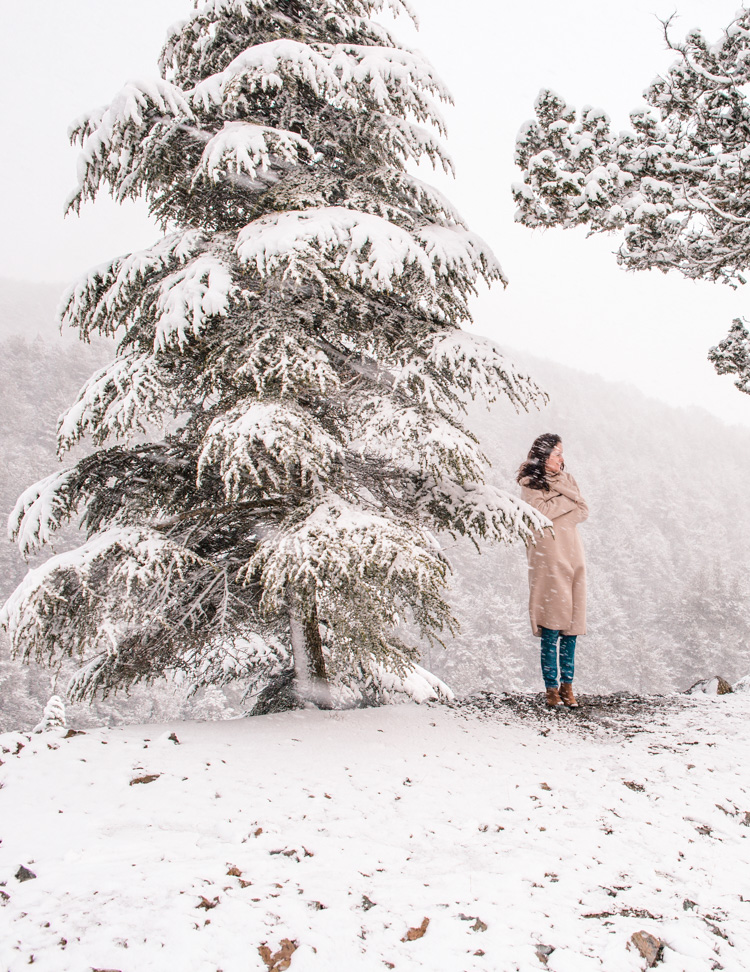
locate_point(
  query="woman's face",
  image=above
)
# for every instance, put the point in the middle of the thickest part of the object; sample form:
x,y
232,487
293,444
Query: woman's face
x,y
555,459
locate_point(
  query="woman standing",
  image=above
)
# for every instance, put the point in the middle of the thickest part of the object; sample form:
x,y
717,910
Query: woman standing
x,y
557,569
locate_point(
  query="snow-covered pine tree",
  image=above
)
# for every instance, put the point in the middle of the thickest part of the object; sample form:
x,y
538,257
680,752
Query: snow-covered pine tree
x,y
676,186
53,716
279,435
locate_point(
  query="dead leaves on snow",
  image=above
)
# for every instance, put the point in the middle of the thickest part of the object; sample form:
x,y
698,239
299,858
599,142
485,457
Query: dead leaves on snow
x,y
234,871
281,960
205,903
543,952
478,926
414,933
149,778
292,853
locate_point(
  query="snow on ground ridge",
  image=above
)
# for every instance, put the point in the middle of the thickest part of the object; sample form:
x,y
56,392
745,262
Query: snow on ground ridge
x,y
521,838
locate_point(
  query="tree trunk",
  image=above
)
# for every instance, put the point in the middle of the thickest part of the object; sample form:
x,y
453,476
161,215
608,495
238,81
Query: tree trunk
x,y
311,678
313,644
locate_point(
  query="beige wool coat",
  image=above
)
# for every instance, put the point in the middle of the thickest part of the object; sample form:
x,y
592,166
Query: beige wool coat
x,y
557,568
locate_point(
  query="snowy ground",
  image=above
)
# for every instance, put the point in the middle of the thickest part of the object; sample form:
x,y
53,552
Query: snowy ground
x,y
510,836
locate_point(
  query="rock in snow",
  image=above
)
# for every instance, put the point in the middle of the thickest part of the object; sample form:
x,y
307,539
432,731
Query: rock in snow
x,y
650,948
710,686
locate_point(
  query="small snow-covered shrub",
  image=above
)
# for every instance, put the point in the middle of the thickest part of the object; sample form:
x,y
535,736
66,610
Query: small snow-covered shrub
x,y
53,716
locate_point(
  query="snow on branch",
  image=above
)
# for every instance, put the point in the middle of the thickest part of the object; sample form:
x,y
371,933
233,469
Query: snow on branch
x,y
266,66
103,298
251,657
428,196
40,511
418,440
480,510
241,147
237,8
473,364
396,7
357,77
393,77
363,8
101,581
340,547
731,356
267,446
675,185
188,297
109,135
415,685
370,250
367,249
130,105
283,363
456,251
120,399
412,141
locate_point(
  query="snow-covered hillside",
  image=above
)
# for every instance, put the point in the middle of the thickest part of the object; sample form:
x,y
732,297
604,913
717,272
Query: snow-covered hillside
x,y
667,546
409,837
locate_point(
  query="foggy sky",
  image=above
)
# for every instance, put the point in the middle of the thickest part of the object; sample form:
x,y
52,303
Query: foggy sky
x,y
567,299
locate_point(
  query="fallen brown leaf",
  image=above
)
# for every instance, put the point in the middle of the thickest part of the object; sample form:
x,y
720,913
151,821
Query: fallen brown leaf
x,y
281,960
205,903
145,779
414,933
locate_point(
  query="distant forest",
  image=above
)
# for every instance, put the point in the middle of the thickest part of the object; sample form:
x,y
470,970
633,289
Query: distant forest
x,y
667,543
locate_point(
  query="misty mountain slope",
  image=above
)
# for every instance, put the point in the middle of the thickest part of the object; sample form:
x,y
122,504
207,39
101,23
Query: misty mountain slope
x,y
668,541
506,843
667,544
40,376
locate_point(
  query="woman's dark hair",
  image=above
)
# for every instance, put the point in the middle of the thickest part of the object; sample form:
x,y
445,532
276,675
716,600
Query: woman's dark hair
x,y
533,472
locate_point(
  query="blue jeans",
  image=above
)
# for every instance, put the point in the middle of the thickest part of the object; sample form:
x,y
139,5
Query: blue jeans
x,y
549,657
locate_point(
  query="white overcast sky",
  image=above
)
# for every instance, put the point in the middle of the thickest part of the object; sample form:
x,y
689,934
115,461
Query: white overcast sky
x,y
567,299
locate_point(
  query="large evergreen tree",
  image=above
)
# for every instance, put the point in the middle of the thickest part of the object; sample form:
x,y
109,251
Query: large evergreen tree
x,y
676,186
279,436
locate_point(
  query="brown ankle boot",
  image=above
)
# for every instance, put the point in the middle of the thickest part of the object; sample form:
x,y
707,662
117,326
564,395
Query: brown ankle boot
x,y
566,694
553,697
